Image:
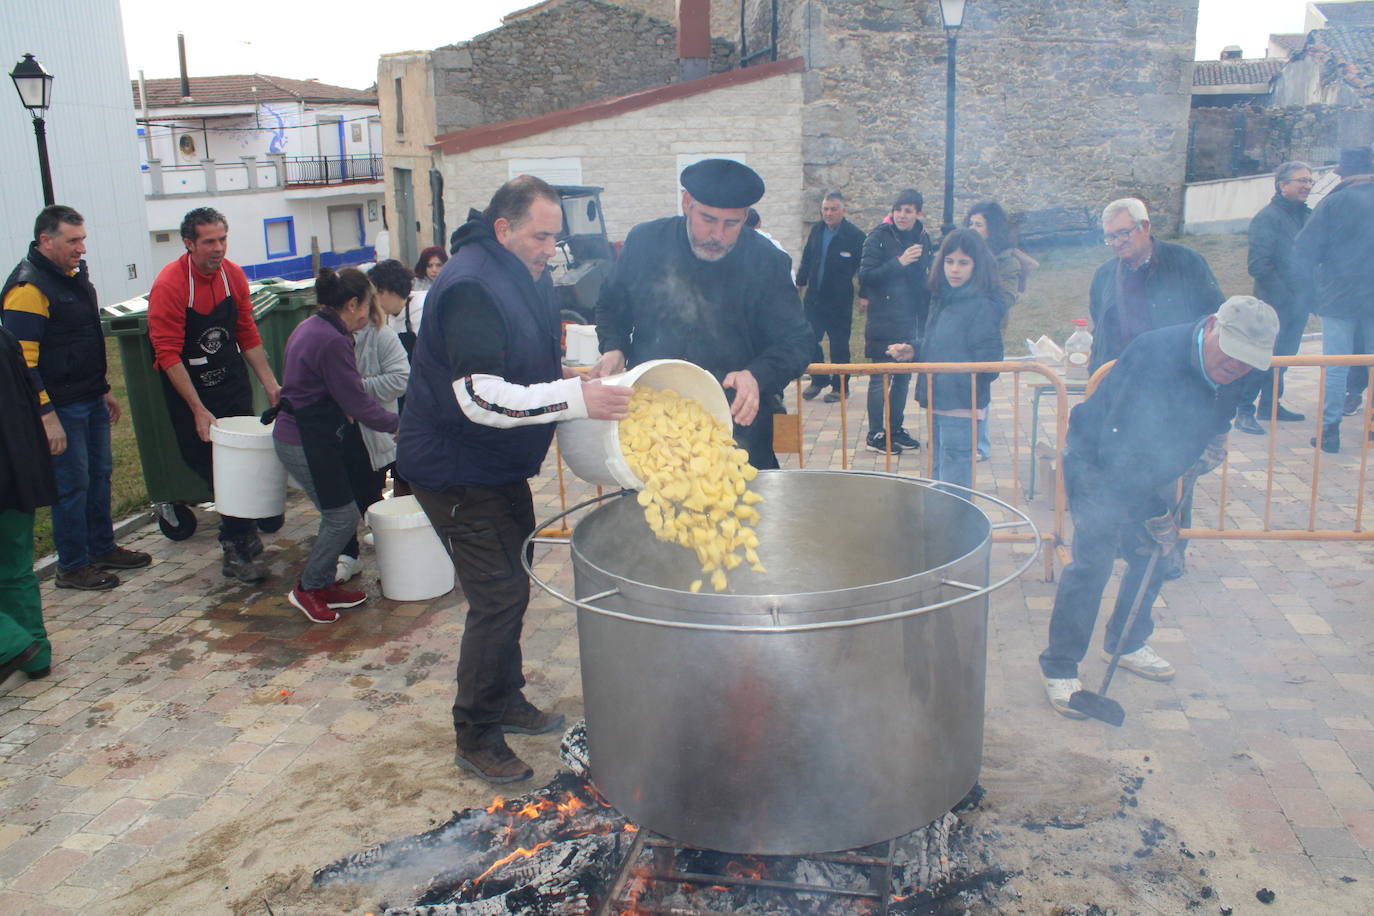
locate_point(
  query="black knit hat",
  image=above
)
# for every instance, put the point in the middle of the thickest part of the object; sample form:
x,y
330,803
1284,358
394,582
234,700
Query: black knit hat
x,y
722,183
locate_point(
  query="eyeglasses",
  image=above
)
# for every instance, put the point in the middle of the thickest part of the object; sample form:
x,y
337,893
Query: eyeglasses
x,y
1301,181
1120,235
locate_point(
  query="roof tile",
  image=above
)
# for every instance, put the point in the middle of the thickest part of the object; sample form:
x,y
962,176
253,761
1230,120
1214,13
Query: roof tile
x,y
244,89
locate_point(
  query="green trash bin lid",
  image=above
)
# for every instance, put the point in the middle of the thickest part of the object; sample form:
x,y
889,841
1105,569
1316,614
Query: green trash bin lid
x,y
125,318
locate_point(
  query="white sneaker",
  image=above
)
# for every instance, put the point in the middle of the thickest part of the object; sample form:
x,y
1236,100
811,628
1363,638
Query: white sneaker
x,y
1058,690
369,540
347,568
1146,663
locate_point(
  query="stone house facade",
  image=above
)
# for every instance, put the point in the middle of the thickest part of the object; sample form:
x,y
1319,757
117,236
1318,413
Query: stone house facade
x,y
1062,105
552,56
634,146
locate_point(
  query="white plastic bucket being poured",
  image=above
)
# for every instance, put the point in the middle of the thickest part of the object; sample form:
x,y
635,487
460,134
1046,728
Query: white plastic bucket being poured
x,y
592,447
410,556
250,480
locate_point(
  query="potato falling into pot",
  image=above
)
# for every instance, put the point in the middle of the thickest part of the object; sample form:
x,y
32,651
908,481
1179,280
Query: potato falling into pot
x,y
696,481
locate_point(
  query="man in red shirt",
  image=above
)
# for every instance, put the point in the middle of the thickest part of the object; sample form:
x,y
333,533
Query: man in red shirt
x,y
200,324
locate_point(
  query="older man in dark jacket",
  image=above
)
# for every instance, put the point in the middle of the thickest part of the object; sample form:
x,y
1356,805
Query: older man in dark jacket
x,y
1337,244
1148,284
704,288
1163,410
892,277
828,265
1279,281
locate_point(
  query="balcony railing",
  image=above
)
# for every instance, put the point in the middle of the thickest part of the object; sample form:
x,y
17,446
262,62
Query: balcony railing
x,y
322,170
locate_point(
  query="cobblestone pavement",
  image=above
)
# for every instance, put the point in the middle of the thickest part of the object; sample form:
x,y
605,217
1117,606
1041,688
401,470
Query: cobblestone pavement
x,y
179,701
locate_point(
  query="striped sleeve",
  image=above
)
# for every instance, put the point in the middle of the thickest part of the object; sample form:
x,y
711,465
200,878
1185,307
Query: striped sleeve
x,y
493,401
26,317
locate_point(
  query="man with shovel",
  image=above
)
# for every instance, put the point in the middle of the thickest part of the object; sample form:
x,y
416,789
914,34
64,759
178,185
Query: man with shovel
x,y
1161,414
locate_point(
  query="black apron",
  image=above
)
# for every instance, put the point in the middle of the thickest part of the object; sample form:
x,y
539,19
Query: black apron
x,y
338,473
210,353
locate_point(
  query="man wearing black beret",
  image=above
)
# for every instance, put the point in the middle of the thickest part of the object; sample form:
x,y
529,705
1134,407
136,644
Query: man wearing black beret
x,y
704,288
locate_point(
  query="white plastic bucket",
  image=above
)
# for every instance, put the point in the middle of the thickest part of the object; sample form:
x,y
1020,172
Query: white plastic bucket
x,y
592,447
410,556
250,480
581,344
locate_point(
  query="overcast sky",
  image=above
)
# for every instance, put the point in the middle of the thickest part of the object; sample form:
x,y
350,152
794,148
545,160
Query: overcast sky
x,y
339,42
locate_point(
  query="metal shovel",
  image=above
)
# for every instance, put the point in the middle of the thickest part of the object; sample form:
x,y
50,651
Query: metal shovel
x,y
1099,705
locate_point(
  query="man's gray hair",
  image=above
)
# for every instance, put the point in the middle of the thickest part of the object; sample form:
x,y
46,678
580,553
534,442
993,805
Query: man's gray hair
x,y
1286,171
1130,205
833,195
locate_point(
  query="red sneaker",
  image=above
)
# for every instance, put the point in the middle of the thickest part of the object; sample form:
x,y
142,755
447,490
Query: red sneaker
x,y
337,597
312,604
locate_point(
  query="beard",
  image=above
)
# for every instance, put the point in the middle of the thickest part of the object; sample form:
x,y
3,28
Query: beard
x,y
709,251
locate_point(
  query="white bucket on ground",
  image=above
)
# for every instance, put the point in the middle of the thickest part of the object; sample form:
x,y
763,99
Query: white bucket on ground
x,y
592,447
410,556
250,480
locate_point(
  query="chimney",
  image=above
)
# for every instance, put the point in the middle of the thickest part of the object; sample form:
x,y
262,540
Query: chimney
x,y
181,53
693,38
1232,52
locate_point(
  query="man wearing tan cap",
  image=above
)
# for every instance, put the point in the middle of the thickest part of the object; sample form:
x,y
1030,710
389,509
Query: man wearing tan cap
x,y
1162,412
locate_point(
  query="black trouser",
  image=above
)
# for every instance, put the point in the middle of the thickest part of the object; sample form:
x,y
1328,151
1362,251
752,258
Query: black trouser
x,y
876,350
199,457
482,529
1291,325
827,320
1103,529
368,484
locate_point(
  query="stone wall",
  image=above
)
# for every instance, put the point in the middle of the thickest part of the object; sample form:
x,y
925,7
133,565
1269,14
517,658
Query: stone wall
x,y
571,53
1230,142
1063,105
724,13
408,149
633,156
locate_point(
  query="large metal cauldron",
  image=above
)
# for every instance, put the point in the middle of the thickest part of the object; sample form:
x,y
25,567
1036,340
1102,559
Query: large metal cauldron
x,y
832,702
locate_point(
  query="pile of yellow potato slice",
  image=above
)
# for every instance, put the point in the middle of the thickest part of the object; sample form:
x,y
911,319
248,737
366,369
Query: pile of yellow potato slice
x,y
695,481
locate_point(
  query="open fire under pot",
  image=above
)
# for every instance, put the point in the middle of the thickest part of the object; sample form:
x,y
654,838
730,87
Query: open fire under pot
x,y
830,703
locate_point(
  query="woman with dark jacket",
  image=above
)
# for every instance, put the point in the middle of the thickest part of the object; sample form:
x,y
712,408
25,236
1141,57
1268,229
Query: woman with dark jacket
x,y
965,326
892,277
321,393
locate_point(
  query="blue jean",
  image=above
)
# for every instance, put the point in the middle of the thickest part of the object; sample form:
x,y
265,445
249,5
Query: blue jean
x,y
1338,339
953,448
337,525
81,525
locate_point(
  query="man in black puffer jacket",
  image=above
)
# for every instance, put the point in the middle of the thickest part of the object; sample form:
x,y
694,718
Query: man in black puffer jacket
x,y
892,277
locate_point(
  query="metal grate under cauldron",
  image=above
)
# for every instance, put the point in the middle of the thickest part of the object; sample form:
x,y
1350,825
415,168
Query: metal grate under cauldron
x,y
562,850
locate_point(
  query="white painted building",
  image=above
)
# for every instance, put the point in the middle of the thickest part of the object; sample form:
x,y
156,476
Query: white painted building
x,y
294,165
91,144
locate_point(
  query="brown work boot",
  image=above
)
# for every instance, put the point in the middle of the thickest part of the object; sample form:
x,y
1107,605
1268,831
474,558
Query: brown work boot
x,y
493,761
524,718
121,558
88,578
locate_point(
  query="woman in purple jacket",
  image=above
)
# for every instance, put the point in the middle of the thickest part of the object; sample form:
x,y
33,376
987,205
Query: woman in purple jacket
x,y
321,393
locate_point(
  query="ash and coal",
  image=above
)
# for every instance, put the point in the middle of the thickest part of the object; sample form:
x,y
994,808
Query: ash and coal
x,y
563,850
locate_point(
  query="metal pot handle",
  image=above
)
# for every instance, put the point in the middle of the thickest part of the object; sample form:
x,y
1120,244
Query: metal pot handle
x,y
963,587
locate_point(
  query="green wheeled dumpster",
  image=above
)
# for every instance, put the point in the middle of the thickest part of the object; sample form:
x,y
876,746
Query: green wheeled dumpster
x,y
173,488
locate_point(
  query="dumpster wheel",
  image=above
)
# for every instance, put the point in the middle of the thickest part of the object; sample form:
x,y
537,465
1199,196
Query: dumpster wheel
x,y
177,520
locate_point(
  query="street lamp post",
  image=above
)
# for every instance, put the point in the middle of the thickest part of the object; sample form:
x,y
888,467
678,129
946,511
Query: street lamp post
x,y
952,15
34,85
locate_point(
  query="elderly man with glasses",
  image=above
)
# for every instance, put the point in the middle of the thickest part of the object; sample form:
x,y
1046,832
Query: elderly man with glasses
x,y
1148,284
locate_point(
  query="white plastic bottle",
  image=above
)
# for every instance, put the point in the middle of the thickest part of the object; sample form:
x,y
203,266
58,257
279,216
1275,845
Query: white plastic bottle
x,y
1077,349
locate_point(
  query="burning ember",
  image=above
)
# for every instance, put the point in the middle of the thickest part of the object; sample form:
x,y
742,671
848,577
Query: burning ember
x,y
563,849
